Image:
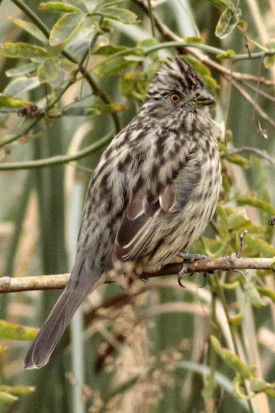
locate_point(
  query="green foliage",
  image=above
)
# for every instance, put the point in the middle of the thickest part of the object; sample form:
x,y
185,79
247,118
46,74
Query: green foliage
x,y
13,331
78,62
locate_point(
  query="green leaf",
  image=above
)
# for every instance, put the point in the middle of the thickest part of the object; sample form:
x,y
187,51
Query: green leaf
x,y
58,7
145,43
222,4
260,246
13,331
111,108
229,54
134,85
51,72
30,28
9,104
22,50
257,203
20,85
6,398
94,110
21,70
110,49
112,66
80,4
17,390
266,292
238,160
232,359
252,295
194,39
227,22
66,29
115,13
238,220
269,62
260,386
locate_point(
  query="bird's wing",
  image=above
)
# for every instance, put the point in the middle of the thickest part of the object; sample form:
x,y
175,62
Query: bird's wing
x,y
139,222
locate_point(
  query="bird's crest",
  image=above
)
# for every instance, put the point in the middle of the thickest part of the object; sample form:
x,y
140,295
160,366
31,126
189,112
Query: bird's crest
x,y
175,74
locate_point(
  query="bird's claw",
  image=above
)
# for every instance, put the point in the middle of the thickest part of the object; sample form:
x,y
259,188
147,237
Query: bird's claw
x,y
183,274
187,257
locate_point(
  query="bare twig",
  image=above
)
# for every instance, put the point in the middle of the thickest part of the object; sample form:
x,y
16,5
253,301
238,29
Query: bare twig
x,y
259,91
171,36
58,281
258,109
58,159
259,152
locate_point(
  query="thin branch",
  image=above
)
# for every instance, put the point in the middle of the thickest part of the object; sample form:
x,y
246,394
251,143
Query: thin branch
x,y
57,160
209,49
58,281
96,89
171,36
258,109
259,152
259,91
151,18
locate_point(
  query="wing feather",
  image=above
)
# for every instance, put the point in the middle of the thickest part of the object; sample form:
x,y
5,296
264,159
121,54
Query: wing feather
x,y
138,225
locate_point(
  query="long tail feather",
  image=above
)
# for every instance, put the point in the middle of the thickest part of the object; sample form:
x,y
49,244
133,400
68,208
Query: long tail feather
x,y
82,280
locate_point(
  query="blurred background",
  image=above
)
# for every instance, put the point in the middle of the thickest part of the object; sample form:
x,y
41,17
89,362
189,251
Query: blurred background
x,y
150,352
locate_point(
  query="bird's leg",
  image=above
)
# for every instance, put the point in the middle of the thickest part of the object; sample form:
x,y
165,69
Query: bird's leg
x,y
187,258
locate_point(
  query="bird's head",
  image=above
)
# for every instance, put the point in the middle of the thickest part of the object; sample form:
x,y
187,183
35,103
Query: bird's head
x,y
177,91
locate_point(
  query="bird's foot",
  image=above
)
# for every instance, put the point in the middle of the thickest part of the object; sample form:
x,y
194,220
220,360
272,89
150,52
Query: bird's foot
x,y
183,273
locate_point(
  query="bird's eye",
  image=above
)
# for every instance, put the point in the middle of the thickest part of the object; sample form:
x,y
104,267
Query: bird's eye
x,y
174,98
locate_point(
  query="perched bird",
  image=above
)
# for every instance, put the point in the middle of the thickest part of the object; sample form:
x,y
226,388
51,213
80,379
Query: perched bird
x,y
152,194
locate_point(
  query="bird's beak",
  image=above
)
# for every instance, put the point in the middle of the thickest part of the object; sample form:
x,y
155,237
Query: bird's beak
x,y
204,98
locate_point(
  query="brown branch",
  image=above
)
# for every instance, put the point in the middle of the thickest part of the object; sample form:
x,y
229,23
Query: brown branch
x,y
169,35
58,281
256,107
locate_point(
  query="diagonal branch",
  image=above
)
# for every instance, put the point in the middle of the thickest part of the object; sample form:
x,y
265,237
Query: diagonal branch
x,y
58,281
171,36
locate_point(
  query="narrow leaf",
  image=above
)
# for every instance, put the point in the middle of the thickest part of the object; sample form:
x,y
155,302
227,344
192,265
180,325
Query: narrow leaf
x,y
21,70
121,15
22,50
66,29
109,67
110,49
9,104
30,28
12,331
260,246
6,398
257,203
227,22
222,4
20,85
17,390
58,7
232,359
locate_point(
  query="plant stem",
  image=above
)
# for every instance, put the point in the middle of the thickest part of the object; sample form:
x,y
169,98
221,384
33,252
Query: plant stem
x,y
151,18
39,282
57,160
232,330
96,89
208,49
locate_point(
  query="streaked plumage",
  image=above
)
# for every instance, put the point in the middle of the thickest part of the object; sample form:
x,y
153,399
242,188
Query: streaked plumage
x,y
152,194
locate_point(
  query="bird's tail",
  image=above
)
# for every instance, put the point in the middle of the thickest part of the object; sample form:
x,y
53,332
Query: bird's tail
x,y
82,280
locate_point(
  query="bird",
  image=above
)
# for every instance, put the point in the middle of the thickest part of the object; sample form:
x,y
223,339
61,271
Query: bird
x,y
154,190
